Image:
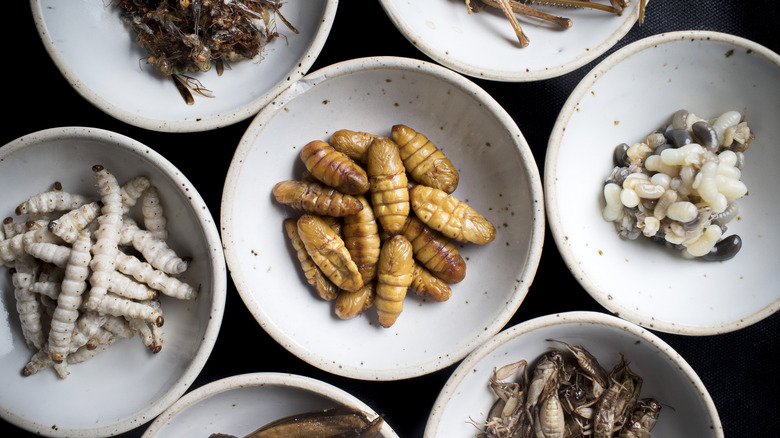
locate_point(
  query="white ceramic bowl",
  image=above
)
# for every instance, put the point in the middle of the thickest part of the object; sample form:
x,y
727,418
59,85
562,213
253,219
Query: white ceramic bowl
x,y
240,404
624,98
126,385
98,54
483,44
687,409
498,177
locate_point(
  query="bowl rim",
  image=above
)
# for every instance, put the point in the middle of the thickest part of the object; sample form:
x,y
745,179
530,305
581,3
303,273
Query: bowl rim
x,y
444,58
253,379
218,281
199,124
346,68
551,195
573,317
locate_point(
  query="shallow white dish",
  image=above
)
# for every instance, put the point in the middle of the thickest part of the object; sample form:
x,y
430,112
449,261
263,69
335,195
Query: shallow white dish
x,y
627,96
687,409
99,56
483,45
126,385
240,404
498,177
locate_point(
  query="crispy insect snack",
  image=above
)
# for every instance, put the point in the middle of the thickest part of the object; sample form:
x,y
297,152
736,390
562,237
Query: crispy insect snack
x,y
394,275
353,144
389,191
361,236
314,197
328,251
324,287
351,304
450,216
434,250
428,285
334,168
426,163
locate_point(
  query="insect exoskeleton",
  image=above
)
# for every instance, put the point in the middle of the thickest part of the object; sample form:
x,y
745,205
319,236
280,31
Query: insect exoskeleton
x,y
426,163
334,168
353,144
428,285
388,182
450,216
314,275
314,197
328,251
351,304
361,236
394,275
435,251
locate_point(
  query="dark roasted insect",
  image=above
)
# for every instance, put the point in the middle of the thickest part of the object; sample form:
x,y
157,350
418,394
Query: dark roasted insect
x,y
339,422
184,37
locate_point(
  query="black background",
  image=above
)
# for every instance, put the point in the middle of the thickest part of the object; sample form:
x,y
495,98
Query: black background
x,y
740,369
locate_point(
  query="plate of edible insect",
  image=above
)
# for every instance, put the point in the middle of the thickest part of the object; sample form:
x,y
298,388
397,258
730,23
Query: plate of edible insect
x,y
671,227
266,405
355,267
181,66
513,40
575,374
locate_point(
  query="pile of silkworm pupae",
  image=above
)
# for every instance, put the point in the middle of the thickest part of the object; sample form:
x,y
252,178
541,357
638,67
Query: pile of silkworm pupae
x,y
680,185
567,393
379,218
85,274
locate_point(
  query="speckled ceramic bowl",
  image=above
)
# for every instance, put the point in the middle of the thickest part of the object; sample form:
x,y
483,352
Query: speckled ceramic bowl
x,y
498,177
240,404
126,385
687,408
483,44
99,56
627,96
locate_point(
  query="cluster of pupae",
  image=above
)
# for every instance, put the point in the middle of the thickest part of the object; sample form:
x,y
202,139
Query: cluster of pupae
x,y
379,218
85,274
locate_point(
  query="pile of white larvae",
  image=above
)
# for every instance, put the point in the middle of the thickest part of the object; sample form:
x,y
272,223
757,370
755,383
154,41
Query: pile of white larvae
x,y
85,274
679,186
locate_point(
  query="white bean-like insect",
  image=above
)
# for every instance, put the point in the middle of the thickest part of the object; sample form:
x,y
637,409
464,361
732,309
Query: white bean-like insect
x,y
651,226
69,225
725,120
705,242
152,211
682,211
706,186
637,153
51,201
669,196
614,208
661,179
654,163
156,279
73,286
629,198
731,188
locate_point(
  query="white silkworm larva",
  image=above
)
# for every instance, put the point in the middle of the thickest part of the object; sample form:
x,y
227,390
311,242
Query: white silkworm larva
x,y
105,248
145,273
132,190
27,304
158,253
69,225
152,210
14,248
147,334
118,306
73,286
49,289
50,201
57,255
127,287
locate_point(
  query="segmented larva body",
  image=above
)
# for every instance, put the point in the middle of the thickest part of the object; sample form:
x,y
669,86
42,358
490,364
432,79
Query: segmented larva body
x,y
361,237
450,216
153,214
426,163
15,247
158,253
119,306
27,304
150,334
314,275
132,190
156,279
394,275
49,289
314,197
427,285
127,287
351,304
69,225
353,144
328,251
51,201
334,168
389,184
73,286
105,249
435,251
53,253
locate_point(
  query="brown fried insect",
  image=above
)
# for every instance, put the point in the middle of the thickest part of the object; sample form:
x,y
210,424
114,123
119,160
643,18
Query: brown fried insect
x,y
361,236
428,285
314,276
394,275
314,197
389,191
450,216
351,304
353,144
334,168
435,251
426,163
327,250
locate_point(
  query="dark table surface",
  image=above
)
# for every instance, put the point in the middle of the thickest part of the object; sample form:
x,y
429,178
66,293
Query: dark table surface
x,y
740,369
